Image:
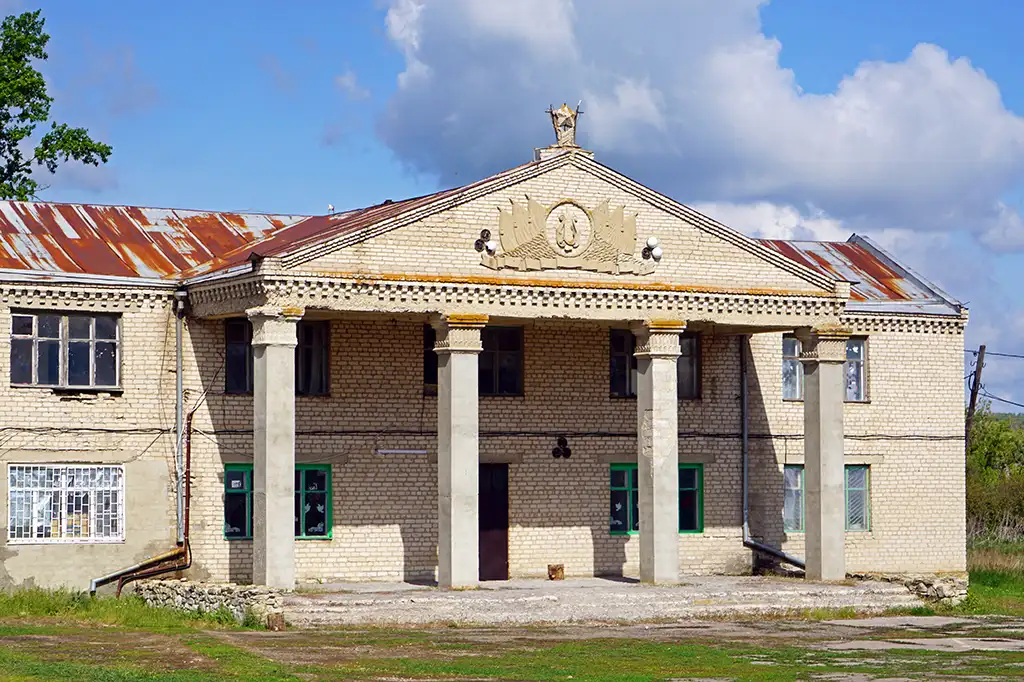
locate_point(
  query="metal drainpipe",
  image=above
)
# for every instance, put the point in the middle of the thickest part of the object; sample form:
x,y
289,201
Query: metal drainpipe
x,y
179,409
745,440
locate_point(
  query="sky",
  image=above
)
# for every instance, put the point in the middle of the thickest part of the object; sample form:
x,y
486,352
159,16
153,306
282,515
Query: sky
x,y
796,119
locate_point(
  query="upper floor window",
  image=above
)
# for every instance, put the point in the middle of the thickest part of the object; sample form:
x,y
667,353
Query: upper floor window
x,y
622,376
854,370
312,357
429,360
501,361
65,351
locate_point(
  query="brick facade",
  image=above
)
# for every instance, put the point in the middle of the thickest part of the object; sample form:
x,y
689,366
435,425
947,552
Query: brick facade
x,y
385,506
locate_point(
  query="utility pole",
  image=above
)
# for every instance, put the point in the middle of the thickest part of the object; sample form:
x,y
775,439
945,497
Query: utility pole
x,y
975,387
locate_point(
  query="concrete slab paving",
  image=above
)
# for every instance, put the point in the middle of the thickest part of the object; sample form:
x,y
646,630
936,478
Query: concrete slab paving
x,y
584,600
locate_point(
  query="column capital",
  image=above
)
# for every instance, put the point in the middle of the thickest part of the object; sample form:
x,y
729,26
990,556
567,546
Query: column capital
x,y
274,325
824,343
459,333
658,338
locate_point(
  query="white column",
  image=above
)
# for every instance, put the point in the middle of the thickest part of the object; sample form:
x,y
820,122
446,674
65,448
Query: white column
x,y
657,412
823,355
273,472
458,455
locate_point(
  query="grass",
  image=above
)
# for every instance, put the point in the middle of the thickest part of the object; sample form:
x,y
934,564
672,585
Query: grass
x,y
129,612
69,636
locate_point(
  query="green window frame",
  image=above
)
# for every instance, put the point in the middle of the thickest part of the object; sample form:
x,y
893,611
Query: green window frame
x,y
624,497
312,484
858,497
238,501
793,498
856,491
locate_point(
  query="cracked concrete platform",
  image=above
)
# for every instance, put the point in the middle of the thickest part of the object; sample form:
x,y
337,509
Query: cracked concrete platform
x,y
588,600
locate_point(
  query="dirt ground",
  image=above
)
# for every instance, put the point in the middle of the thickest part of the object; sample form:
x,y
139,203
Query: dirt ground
x,y
903,647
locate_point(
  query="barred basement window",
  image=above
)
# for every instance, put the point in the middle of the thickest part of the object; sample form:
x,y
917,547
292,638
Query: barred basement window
x,y
65,351
65,503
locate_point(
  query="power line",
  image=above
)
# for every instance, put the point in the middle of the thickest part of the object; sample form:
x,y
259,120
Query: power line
x,y
992,352
1002,400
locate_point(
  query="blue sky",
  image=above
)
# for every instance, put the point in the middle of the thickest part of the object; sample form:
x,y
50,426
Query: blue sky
x,y
794,118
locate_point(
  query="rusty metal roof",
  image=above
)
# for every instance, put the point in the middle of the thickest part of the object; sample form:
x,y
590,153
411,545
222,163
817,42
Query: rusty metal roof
x,y
317,229
878,282
123,241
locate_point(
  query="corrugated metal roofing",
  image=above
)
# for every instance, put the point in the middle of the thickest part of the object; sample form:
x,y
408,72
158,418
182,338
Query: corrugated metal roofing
x,y
878,282
322,228
123,241
171,244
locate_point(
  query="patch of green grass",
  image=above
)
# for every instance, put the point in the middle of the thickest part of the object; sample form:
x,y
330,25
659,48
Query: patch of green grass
x,y
129,611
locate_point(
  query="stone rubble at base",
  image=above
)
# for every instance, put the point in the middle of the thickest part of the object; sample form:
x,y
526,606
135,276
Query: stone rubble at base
x,y
201,597
949,589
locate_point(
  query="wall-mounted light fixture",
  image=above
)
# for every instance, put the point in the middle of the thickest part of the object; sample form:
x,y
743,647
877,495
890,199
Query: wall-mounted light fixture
x,y
652,250
561,448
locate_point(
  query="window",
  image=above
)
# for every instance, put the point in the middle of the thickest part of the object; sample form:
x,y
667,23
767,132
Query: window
x,y
312,357
688,367
853,370
793,498
858,498
429,360
501,361
623,368
312,501
312,361
238,356
238,501
691,498
65,503
313,516
625,502
792,369
65,351
858,501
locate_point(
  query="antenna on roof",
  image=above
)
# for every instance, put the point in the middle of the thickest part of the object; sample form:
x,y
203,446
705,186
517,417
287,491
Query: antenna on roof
x,y
330,209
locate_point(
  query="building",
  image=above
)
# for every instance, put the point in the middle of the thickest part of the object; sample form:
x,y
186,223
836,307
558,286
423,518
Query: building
x,y
553,365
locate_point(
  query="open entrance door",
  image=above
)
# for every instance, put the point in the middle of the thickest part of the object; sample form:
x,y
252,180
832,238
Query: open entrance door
x,y
493,502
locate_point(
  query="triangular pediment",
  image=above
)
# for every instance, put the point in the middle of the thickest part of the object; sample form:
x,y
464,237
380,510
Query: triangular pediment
x,y
564,220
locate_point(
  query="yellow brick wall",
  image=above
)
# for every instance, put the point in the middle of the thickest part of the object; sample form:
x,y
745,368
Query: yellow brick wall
x,y
443,244
385,506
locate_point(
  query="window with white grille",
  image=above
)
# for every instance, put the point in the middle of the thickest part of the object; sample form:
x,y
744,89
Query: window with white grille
x,y
65,503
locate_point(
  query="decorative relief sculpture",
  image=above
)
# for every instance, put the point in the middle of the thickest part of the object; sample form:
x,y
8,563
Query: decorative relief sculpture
x,y
564,121
566,234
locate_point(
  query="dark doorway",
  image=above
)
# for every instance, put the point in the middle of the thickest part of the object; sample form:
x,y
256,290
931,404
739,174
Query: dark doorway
x,y
493,521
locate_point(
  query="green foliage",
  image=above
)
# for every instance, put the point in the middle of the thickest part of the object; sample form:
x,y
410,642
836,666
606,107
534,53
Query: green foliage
x,y
995,476
129,611
24,104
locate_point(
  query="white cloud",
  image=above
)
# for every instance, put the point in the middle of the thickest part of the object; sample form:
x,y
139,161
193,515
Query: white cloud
x,y
690,98
347,83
